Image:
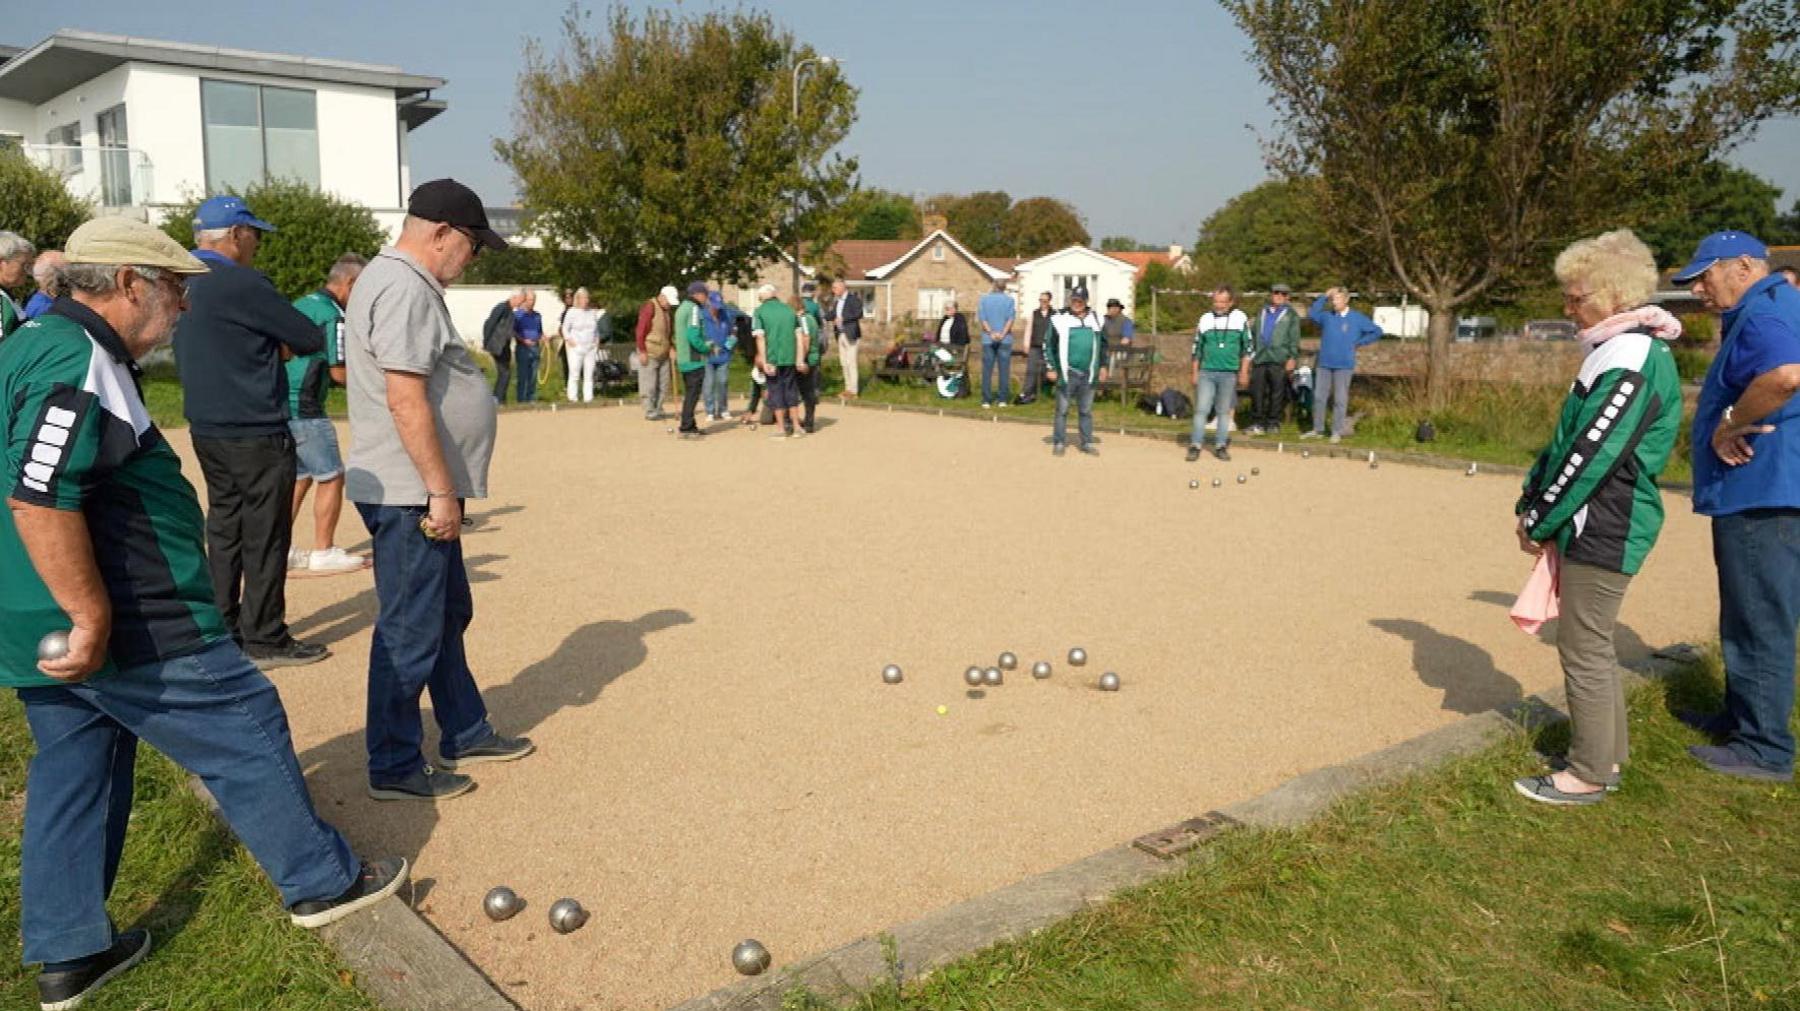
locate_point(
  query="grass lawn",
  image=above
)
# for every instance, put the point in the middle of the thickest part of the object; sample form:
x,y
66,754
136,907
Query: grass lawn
x,y
222,939
1450,891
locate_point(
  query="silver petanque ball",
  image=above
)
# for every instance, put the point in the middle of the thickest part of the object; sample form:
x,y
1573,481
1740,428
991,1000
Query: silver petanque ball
x,y
1242,479
501,903
891,674
1041,669
1306,454
1256,472
1009,661
972,677
750,957
1077,657
1194,483
1109,682
567,916
1217,483
53,646
992,677
671,431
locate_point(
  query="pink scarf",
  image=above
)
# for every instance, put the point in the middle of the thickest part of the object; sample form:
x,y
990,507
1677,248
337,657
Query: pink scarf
x,y
1541,599
1661,323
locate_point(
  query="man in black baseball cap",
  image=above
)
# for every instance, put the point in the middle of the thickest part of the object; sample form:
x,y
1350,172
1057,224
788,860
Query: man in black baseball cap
x,y
449,202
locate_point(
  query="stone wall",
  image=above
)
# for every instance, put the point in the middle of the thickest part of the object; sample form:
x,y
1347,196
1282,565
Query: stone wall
x,y
1533,363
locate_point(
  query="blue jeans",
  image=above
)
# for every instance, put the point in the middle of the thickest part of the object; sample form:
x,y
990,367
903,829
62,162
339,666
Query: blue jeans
x,y
423,609
1333,384
216,716
716,389
996,356
1217,391
525,360
1078,387
1758,556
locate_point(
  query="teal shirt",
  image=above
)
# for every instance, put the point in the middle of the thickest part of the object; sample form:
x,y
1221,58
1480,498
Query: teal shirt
x,y
309,376
779,325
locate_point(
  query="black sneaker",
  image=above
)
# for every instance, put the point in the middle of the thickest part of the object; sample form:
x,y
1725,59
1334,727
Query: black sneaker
x,y
494,749
1193,453
292,653
1222,453
377,880
60,991
426,784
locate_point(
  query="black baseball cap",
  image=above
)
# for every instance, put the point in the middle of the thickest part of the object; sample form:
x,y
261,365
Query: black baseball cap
x,y
452,203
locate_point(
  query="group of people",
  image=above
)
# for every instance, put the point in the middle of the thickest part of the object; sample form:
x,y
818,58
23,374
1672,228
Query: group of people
x,y
170,611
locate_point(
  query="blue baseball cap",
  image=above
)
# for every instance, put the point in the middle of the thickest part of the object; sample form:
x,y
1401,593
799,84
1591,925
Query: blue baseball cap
x,y
1720,246
227,212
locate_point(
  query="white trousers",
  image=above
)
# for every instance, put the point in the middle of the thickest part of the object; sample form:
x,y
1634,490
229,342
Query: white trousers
x,y
581,370
847,358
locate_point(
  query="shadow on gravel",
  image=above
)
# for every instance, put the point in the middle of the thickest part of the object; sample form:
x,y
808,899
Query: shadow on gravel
x,y
1631,647
1462,670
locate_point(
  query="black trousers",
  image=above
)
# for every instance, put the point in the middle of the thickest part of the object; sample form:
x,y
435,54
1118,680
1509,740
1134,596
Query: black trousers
x,y
249,528
502,377
1268,394
808,384
691,385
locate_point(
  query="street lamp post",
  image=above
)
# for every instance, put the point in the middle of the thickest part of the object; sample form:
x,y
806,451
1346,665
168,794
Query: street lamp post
x,y
795,92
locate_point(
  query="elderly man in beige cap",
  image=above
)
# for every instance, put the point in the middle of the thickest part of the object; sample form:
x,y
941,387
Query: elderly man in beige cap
x,y
109,631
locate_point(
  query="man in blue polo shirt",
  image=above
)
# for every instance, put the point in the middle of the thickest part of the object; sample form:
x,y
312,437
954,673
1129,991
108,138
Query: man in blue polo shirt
x,y
996,312
1746,441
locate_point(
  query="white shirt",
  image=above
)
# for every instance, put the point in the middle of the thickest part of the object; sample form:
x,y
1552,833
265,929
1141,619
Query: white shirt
x,y
581,327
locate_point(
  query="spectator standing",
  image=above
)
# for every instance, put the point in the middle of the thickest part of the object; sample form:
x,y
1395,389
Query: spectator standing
x,y
806,378
996,313
811,307
691,351
422,433
16,252
581,343
1591,497
497,335
1222,347
1746,440
104,540
43,272
847,314
229,348
1075,354
720,338
776,327
654,326
310,378
1341,331
1277,353
528,345
1038,328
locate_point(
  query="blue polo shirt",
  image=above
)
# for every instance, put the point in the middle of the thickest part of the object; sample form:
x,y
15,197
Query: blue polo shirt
x,y
996,309
1762,332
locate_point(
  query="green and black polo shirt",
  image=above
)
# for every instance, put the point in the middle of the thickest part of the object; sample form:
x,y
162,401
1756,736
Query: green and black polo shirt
x,y
77,437
309,376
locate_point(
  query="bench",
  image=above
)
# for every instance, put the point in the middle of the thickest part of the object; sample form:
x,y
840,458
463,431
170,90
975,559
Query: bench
x,y
1128,369
922,363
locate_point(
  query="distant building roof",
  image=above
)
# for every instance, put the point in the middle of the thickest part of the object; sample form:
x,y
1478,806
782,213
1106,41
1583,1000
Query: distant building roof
x,y
70,58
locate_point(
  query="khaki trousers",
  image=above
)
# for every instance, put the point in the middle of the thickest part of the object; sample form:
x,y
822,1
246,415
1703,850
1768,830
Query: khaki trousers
x,y
847,358
1598,738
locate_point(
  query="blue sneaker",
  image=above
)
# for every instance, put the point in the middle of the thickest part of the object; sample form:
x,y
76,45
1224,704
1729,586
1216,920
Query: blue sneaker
x,y
1726,762
494,749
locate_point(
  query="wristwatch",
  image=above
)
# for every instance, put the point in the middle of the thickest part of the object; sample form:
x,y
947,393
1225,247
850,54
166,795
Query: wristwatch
x,y
1725,419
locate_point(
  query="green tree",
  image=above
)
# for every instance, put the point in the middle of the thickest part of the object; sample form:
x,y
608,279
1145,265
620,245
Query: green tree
x,y
881,214
1271,234
312,229
35,203
1458,143
1120,244
1788,226
1040,225
1723,197
978,220
667,144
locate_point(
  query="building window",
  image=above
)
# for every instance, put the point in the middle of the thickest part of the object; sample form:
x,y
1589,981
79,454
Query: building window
x,y
1066,283
65,148
256,133
115,157
937,253
932,302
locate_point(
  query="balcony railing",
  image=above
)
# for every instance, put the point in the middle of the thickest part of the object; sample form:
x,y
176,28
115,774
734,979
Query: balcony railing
x,y
108,176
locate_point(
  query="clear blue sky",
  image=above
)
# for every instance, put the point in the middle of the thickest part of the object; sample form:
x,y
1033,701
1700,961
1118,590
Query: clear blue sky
x,y
957,95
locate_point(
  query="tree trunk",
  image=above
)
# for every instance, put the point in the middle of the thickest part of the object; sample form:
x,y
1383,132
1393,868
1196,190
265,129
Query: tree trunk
x,y
1439,329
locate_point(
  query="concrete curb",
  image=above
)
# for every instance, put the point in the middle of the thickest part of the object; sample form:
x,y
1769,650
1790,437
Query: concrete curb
x,y
1020,909
398,958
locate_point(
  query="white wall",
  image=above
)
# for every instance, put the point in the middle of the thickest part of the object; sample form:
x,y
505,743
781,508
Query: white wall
x,y
359,144
20,118
162,115
80,105
1117,278
470,304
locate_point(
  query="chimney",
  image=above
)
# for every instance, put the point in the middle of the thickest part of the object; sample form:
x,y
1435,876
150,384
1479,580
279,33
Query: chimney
x,y
1174,252
934,223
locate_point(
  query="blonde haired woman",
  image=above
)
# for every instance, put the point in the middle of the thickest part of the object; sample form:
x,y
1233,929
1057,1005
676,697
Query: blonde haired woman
x,y
1591,502
581,343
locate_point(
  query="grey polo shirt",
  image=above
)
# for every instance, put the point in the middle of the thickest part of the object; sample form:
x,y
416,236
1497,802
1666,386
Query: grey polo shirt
x,y
397,322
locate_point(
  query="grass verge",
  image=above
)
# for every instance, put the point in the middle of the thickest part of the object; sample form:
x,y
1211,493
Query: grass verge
x,y
222,939
1448,890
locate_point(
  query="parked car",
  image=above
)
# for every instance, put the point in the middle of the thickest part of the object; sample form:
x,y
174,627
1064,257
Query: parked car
x,y
1474,328
1549,330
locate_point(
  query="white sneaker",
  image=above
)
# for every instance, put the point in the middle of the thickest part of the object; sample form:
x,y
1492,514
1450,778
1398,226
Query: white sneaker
x,y
1336,439
725,417
334,559
1002,404
299,558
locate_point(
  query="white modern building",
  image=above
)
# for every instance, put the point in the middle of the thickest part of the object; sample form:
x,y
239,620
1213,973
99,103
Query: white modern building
x,y
137,125
1063,271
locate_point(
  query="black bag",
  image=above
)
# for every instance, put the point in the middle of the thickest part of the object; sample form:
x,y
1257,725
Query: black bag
x,y
1173,403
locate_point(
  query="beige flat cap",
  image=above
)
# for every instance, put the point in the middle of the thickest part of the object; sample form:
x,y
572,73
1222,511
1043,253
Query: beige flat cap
x,y
111,239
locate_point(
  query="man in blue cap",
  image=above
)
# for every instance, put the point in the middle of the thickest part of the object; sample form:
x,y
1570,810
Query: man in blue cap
x,y
1746,440
229,347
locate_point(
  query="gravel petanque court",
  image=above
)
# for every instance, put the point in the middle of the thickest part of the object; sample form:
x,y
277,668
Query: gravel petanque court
x,y
694,634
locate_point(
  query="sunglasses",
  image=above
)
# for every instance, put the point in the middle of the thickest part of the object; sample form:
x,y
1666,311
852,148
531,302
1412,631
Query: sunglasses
x,y
474,243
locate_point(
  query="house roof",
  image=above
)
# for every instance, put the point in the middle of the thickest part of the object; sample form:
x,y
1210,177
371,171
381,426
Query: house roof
x,y
1094,253
69,58
993,273
859,256
1143,260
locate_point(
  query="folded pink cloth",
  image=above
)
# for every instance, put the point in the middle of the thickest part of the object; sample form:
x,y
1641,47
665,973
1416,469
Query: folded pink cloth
x,y
1538,601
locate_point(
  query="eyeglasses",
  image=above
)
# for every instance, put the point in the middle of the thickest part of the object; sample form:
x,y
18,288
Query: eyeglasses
x,y
474,243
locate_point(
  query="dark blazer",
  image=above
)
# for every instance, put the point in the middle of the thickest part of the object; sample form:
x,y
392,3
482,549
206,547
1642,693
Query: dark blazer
x,y
849,313
497,332
959,328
